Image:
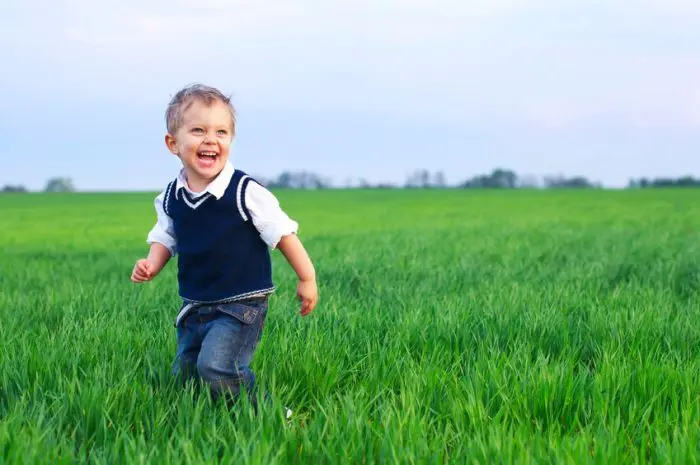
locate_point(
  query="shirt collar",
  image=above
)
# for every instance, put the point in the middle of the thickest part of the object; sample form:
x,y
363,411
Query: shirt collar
x,y
217,187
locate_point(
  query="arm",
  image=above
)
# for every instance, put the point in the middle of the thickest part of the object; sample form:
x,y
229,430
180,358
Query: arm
x,y
293,250
307,290
278,231
163,246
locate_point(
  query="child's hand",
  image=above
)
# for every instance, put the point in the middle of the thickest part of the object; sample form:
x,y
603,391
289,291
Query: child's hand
x,y
143,271
307,292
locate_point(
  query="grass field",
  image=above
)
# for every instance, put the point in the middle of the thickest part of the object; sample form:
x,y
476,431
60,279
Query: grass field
x,y
453,326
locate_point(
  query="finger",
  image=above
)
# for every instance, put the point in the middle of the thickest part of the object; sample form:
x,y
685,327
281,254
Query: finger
x,y
307,307
146,270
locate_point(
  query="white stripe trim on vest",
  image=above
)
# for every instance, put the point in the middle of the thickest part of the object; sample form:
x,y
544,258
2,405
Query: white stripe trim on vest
x,y
239,201
168,190
196,204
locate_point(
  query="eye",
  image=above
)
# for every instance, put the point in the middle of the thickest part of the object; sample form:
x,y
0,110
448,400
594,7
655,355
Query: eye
x,y
197,130
222,132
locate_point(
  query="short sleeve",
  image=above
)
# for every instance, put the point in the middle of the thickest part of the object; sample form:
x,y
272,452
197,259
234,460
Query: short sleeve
x,y
163,232
267,215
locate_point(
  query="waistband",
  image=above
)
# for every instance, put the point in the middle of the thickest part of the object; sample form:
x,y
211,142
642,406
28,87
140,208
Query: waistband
x,y
191,307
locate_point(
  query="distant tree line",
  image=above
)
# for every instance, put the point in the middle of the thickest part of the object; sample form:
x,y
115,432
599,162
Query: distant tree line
x,y
685,181
424,179
52,185
421,179
10,189
499,178
296,180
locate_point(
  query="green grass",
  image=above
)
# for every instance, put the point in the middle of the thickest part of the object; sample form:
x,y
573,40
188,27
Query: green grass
x,y
453,326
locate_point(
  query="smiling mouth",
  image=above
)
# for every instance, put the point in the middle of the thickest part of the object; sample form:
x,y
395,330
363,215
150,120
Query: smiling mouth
x,y
207,155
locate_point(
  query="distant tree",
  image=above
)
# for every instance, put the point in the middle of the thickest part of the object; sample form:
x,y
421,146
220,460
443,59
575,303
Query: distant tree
x,y
283,180
411,181
562,182
419,179
477,182
504,179
59,185
498,179
663,182
300,180
424,178
685,181
439,179
10,189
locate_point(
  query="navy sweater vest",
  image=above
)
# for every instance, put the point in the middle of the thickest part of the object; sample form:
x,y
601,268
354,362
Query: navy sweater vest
x,y
221,254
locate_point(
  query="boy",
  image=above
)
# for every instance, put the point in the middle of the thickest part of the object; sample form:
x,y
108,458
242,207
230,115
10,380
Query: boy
x,y
222,224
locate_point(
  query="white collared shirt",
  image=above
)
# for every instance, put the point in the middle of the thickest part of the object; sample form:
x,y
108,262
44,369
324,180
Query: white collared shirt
x,y
268,217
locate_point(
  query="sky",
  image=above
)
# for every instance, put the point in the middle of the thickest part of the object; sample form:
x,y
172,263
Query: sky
x,y
372,89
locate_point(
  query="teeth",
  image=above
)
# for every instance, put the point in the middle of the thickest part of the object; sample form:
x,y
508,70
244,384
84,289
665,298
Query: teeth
x,y
207,154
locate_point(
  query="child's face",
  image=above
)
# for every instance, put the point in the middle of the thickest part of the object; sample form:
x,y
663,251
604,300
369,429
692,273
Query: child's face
x,y
202,141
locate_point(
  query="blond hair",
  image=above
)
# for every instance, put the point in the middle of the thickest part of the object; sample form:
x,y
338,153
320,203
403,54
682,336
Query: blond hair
x,y
182,100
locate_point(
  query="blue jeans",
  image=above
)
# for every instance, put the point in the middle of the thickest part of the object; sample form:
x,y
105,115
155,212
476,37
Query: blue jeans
x,y
216,343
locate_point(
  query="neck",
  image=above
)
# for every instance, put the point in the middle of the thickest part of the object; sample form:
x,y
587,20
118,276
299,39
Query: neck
x,y
196,184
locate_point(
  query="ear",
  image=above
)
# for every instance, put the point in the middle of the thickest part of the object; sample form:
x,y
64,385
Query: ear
x,y
171,144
